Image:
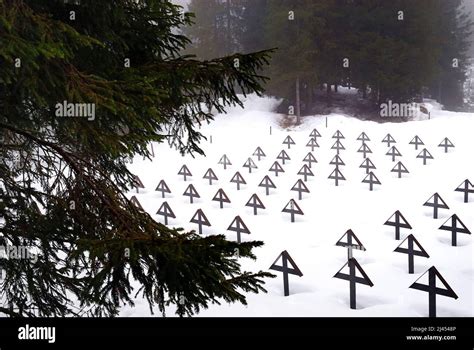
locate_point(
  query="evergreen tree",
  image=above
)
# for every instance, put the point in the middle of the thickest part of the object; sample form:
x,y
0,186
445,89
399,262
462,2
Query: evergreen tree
x,y
63,180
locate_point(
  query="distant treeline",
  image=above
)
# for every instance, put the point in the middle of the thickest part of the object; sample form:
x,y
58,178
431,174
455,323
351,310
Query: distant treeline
x,y
399,50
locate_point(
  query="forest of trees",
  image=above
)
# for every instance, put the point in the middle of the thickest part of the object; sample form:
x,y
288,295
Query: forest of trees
x,y
389,50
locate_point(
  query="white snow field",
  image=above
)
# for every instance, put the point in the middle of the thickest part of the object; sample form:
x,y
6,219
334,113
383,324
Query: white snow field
x,y
329,211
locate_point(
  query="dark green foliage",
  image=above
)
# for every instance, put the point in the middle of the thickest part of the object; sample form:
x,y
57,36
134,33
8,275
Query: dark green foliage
x,y
91,241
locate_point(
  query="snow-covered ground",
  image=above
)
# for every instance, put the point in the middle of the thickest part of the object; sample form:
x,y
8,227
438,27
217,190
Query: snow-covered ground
x,y
329,211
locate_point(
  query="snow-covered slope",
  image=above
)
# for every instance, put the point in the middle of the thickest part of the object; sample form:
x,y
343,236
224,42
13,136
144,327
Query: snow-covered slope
x,y
329,211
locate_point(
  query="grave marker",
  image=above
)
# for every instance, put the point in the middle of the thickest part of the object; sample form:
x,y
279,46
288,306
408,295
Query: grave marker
x,y
400,222
283,156
163,188
417,142
372,180
255,203
185,172
294,270
288,141
394,153
337,161
221,197
238,179
225,161
457,226
293,208
337,176
400,169
276,167
389,140
424,154
137,183
353,279
315,134
259,153
466,187
338,135
305,171
411,251
309,158
166,211
364,149
200,219
250,164
433,290
351,242
300,187
238,226
267,183
363,137
312,143
134,200
191,193
446,144
367,165
210,175
338,146
438,203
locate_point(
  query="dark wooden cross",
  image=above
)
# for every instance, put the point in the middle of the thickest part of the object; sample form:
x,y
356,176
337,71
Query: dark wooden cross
x,y
238,179
200,219
276,167
238,226
166,211
424,154
364,149
288,141
438,203
250,164
137,183
283,156
454,228
338,146
433,290
417,142
466,187
337,176
446,143
224,161
259,153
305,171
389,140
133,200
412,251
221,197
353,279
255,203
372,180
301,188
399,222
315,133
337,161
293,208
394,153
163,188
185,172
210,175
367,165
338,135
293,269
267,183
309,158
191,193
363,137
400,169
350,241
312,143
